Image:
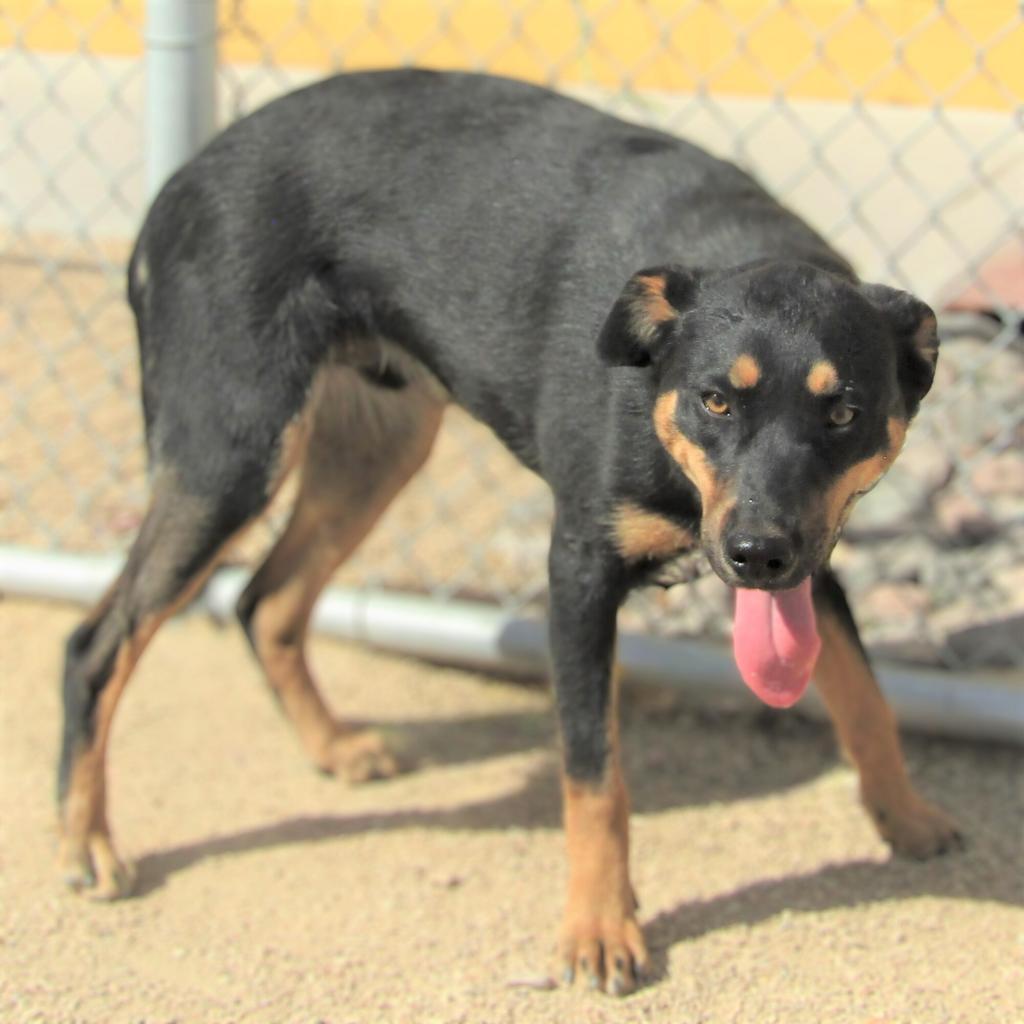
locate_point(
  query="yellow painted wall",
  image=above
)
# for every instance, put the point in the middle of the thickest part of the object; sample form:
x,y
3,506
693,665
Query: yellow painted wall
x,y
966,52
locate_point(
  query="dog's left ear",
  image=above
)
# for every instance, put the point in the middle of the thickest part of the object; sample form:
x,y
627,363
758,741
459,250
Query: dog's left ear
x,y
642,317
913,323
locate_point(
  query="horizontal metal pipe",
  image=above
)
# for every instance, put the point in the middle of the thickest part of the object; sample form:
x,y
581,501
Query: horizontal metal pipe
x,y
475,635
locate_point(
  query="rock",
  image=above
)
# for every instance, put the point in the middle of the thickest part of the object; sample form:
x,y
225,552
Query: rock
x,y
909,650
1010,582
955,615
924,467
895,603
963,519
999,475
998,643
943,574
908,561
855,565
887,508
978,391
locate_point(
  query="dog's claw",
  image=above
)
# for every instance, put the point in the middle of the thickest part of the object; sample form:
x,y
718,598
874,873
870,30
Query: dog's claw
x,y
610,956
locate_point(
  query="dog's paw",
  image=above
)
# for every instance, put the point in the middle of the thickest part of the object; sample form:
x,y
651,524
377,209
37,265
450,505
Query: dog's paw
x,y
93,869
915,828
605,953
360,755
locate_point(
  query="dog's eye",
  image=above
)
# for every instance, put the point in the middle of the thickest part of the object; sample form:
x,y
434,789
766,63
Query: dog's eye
x,y
841,415
715,403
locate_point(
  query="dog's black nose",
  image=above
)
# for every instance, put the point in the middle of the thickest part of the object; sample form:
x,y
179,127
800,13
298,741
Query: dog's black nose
x,y
760,559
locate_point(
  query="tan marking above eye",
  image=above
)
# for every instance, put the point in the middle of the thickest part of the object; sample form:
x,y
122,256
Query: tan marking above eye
x,y
744,372
822,378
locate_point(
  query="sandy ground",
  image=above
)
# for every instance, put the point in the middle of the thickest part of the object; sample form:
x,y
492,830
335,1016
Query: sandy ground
x,y
268,893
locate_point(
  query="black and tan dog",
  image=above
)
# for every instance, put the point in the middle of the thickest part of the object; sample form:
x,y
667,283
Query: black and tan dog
x,y
680,358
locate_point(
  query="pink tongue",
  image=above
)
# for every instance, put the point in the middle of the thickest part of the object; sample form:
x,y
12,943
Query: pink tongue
x,y
775,642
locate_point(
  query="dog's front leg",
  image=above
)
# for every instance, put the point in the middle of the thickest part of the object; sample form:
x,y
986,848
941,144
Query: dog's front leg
x,y
601,940
867,730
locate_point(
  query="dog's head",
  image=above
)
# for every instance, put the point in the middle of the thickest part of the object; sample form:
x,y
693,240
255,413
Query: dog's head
x,y
782,391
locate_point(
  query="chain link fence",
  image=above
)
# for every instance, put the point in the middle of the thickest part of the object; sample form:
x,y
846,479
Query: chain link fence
x,y
896,129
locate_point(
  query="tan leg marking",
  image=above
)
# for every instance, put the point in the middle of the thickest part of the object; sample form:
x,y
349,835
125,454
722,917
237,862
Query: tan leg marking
x,y
867,730
364,446
87,858
601,941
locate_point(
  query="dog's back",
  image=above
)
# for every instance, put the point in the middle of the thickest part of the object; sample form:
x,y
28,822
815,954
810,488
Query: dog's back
x,y
472,220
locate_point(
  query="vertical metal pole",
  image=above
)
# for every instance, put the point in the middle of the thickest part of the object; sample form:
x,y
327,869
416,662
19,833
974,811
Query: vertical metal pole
x,y
181,85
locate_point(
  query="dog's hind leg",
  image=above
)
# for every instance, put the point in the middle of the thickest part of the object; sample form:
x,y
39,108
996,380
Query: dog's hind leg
x,y
365,442
867,731
177,545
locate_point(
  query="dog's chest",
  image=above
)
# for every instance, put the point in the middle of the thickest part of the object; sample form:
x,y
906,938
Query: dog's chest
x,y
661,550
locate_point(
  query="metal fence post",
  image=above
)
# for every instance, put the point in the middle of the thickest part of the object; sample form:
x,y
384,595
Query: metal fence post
x,y
181,86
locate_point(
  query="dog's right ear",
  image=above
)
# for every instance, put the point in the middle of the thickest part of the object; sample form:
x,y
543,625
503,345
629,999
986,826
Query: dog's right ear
x,y
641,318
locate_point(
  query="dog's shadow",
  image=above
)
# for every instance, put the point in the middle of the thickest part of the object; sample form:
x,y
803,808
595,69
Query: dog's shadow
x,y
852,884
672,760
667,765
